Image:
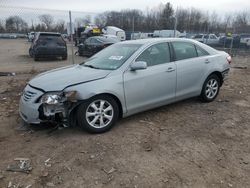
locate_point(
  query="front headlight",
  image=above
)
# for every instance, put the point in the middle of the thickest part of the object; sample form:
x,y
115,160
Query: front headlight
x,y
51,98
58,97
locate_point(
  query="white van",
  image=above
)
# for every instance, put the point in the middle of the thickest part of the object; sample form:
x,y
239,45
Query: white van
x,y
166,33
111,30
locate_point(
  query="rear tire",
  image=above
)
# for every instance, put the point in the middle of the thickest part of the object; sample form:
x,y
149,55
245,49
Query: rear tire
x,y
210,89
30,52
64,57
98,114
36,58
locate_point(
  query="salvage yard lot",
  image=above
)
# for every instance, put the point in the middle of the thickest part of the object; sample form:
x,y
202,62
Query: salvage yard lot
x,y
188,144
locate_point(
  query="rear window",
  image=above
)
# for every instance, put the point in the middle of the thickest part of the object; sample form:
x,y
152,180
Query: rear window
x,y
198,36
51,39
184,50
201,52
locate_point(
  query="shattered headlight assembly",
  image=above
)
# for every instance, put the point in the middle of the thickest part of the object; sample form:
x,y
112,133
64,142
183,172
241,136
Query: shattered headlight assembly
x,y
54,98
51,98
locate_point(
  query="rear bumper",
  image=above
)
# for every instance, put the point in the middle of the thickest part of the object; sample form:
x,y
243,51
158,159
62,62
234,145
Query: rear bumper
x,y
50,52
225,74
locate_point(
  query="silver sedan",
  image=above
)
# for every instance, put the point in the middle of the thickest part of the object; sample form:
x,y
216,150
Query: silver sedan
x,y
124,79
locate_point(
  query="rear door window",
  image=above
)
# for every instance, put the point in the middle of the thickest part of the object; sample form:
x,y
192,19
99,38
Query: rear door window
x,y
184,50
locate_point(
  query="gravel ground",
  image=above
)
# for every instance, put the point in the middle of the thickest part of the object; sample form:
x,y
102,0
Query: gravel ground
x,y
187,144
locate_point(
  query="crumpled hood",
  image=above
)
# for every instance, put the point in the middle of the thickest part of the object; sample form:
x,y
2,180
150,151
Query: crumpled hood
x,y
58,79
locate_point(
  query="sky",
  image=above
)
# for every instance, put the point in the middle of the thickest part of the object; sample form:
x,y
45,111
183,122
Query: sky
x,y
30,10
97,6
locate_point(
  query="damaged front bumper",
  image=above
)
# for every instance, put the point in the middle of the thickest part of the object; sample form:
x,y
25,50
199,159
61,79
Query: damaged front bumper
x,y
33,109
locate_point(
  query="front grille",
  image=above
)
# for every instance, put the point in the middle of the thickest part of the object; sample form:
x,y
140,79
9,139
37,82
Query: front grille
x,y
28,95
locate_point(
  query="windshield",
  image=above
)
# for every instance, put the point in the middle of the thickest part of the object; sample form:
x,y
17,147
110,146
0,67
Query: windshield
x,y
113,57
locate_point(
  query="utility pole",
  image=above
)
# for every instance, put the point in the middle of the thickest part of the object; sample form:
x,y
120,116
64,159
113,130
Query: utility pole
x,y
133,24
71,38
175,26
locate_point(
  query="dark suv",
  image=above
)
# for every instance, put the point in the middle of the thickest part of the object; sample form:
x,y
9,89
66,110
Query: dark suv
x,y
48,45
92,45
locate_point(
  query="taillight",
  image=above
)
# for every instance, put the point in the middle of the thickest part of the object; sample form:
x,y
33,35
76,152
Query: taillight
x,y
229,59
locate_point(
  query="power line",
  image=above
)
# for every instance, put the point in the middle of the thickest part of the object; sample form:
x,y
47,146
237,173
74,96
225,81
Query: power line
x,y
43,9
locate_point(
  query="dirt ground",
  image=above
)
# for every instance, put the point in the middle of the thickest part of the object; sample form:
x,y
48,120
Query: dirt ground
x,y
188,144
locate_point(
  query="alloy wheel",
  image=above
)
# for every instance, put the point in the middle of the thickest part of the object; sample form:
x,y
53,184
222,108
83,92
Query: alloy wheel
x,y
99,113
212,88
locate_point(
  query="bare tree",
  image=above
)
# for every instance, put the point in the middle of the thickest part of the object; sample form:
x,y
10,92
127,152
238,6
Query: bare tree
x,y
166,16
15,24
2,28
227,22
240,23
40,27
100,20
161,17
60,26
47,20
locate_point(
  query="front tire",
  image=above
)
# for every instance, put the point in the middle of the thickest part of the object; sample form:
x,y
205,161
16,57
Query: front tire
x,y
211,88
98,114
64,57
35,58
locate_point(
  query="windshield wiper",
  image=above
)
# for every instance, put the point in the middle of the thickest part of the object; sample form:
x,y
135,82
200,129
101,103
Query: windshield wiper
x,y
91,66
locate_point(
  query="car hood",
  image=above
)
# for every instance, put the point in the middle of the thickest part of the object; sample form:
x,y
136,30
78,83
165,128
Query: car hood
x,y
58,79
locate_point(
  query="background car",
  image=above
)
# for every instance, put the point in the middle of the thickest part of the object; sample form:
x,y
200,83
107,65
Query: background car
x,y
111,30
124,79
47,44
209,39
92,45
243,38
248,43
228,41
31,36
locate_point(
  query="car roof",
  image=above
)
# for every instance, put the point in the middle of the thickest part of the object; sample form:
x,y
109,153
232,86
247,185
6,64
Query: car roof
x,y
114,28
155,40
148,42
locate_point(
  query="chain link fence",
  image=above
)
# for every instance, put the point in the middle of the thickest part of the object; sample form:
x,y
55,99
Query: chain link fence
x,y
18,22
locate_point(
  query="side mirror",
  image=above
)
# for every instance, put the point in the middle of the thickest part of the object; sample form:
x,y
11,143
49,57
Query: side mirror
x,y
138,65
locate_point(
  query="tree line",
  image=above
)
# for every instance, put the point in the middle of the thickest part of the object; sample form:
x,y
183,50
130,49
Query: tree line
x,y
17,24
188,19
158,18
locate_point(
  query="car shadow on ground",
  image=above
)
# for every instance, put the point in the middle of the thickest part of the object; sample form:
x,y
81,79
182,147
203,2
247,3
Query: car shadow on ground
x,y
162,109
45,59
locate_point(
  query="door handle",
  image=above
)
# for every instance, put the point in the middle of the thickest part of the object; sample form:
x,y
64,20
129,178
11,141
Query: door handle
x,y
170,69
207,61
